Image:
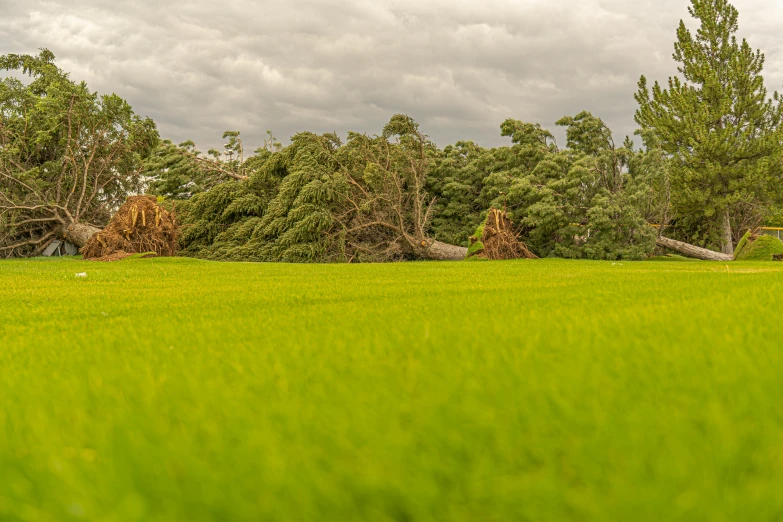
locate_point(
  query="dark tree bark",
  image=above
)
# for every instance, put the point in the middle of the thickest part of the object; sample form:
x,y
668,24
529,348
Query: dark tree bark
x,y
692,250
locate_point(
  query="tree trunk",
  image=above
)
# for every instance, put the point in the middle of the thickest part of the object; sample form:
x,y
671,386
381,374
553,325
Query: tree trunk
x,y
437,251
693,251
79,233
727,243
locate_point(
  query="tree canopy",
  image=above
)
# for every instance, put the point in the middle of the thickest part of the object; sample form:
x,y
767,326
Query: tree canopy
x,y
576,202
708,169
397,196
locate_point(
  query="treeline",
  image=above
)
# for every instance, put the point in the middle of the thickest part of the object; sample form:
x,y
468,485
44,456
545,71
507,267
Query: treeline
x,y
709,168
394,195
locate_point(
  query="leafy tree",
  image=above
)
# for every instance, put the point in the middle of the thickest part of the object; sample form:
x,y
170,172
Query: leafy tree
x,y
650,169
467,180
456,181
718,125
68,156
579,202
775,218
220,222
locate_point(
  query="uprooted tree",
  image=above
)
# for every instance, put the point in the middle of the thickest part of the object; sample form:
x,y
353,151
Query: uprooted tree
x,y
320,199
68,156
497,239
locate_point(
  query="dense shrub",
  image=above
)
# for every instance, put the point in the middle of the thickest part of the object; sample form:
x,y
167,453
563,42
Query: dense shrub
x,y
758,248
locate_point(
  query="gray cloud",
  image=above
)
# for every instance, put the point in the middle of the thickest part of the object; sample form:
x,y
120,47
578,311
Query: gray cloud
x,y
458,67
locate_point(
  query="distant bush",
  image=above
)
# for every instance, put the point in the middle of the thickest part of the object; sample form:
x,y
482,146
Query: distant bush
x,y
476,246
758,248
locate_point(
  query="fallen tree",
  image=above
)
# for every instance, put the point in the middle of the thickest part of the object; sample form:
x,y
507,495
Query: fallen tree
x,y
692,250
322,200
383,198
68,157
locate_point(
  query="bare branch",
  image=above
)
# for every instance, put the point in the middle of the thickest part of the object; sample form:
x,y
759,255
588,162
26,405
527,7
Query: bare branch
x,y
27,243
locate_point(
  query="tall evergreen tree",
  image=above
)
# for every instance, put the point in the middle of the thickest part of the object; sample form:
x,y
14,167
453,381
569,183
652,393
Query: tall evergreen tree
x,y
716,122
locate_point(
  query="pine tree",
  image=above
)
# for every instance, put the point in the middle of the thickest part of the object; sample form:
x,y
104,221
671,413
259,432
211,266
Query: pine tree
x,y
716,123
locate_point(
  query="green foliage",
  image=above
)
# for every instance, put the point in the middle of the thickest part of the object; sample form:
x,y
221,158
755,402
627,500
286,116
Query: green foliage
x,y
381,198
298,219
476,246
475,249
775,218
456,181
742,243
460,392
175,173
709,164
217,224
758,248
579,202
717,124
181,171
321,200
387,197
467,179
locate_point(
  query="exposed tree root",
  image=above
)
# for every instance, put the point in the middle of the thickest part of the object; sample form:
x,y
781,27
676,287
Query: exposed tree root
x,y
140,225
499,240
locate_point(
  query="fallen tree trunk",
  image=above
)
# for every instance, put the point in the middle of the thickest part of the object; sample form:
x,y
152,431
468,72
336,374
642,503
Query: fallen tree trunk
x,y
437,251
692,250
79,233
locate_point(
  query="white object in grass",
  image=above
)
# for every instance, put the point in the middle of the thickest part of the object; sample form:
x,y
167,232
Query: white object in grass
x,y
81,274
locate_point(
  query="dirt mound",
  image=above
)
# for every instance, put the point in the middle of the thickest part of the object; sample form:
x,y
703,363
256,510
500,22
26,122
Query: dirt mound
x,y
498,239
140,225
119,256
116,256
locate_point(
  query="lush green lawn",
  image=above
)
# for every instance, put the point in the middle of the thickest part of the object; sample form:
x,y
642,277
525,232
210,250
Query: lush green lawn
x,y
173,389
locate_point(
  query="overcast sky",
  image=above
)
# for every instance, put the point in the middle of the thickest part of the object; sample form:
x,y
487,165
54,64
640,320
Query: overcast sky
x,y
459,67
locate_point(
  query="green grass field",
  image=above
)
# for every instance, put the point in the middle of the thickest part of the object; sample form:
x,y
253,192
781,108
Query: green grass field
x,y
175,389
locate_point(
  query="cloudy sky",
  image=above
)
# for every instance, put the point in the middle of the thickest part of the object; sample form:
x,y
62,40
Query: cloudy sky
x,y
459,67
